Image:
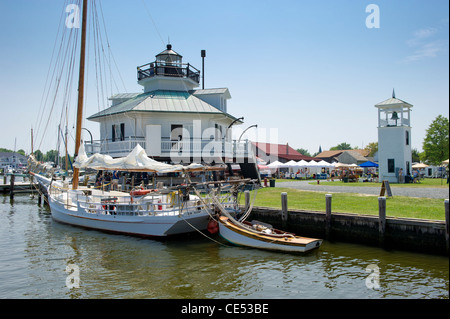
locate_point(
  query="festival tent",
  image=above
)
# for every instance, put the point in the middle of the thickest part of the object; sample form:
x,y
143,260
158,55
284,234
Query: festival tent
x,y
420,165
322,163
369,164
292,163
276,165
302,163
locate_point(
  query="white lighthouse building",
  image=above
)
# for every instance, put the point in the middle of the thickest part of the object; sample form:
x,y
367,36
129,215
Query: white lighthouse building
x,y
172,119
394,140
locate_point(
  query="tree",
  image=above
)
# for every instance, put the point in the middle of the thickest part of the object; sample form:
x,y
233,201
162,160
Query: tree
x,y
304,152
342,146
372,148
436,142
38,155
415,155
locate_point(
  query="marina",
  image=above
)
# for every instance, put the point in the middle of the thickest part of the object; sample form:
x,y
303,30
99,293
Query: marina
x,y
37,251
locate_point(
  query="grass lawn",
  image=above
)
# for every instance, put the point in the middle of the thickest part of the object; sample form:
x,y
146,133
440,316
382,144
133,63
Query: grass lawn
x,y
397,206
426,182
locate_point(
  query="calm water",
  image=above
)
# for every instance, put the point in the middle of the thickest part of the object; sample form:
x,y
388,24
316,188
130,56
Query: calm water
x,y
35,252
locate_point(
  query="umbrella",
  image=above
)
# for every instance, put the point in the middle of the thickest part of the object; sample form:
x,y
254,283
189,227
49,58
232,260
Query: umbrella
x,y
369,164
445,162
420,165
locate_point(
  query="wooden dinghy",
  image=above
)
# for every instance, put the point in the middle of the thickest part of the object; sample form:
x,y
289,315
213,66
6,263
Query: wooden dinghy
x,y
258,236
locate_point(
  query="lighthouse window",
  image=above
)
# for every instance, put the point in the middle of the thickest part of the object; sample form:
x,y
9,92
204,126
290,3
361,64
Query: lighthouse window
x,y
407,137
176,132
118,132
391,165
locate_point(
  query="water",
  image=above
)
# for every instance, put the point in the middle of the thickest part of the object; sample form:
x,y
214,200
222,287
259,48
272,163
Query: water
x,y
35,252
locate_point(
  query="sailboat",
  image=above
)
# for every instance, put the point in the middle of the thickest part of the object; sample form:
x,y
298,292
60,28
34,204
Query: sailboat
x,y
142,212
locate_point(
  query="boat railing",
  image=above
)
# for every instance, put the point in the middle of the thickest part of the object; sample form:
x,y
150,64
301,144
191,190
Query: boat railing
x,y
149,205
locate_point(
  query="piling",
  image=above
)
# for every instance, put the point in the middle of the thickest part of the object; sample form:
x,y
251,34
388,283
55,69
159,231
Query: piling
x,y
381,219
328,198
446,225
284,209
11,186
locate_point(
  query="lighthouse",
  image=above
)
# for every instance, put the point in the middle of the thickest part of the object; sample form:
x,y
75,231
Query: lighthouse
x,y
394,140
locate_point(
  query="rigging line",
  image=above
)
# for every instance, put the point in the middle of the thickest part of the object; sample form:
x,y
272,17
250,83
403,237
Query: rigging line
x,y
63,62
109,49
40,112
153,22
59,68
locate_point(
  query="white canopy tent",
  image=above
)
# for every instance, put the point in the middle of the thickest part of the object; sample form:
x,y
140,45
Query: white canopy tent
x,y
276,165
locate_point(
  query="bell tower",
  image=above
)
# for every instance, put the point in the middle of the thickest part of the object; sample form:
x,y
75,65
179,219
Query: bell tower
x,y
394,140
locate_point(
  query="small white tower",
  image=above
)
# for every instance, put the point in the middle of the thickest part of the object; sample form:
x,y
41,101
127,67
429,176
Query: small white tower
x,y
394,140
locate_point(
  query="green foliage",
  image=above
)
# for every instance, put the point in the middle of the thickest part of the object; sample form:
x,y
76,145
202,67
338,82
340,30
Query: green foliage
x,y
304,152
372,148
436,142
342,146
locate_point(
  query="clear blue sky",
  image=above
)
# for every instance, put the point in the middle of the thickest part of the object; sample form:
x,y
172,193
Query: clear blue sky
x,y
310,69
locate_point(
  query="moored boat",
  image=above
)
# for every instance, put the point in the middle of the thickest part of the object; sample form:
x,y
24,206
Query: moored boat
x,y
263,237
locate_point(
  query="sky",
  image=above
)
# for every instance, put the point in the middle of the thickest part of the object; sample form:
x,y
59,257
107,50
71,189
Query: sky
x,y
307,72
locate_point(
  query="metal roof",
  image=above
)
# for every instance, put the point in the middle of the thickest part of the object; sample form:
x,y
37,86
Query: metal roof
x,y
162,101
393,102
169,51
212,91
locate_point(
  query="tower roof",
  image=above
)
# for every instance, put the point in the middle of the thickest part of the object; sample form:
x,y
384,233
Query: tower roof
x,y
169,51
393,102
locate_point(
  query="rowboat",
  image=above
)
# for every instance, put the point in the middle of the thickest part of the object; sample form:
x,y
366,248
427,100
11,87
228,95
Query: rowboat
x,y
260,236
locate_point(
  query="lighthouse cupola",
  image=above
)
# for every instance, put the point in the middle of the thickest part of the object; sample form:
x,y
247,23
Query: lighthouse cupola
x,y
168,72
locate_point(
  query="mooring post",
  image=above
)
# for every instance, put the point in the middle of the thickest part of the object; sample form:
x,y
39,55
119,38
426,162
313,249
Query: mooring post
x,y
381,218
284,209
11,186
446,224
247,200
328,198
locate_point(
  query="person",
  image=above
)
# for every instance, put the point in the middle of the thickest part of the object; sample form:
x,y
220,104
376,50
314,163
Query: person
x,y
416,176
115,181
400,176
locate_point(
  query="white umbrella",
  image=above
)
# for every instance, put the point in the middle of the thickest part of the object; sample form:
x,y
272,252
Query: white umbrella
x,y
420,165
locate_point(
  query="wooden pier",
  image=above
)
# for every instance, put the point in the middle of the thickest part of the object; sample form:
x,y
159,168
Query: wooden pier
x,y
13,187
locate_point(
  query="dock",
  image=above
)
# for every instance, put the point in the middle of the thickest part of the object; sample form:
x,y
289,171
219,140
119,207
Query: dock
x,y
8,184
18,187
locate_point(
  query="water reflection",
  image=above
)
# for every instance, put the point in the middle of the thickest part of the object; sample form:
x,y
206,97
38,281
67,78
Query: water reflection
x,y
36,251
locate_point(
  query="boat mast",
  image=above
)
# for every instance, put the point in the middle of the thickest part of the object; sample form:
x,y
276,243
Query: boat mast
x,y
80,93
